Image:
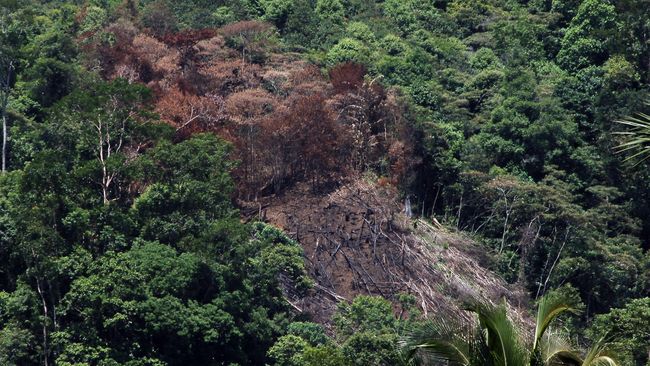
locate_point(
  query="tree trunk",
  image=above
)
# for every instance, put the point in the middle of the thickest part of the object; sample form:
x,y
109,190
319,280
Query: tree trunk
x,y
46,315
46,351
4,89
4,141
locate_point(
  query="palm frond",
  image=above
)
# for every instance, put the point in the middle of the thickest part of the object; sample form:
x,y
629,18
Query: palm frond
x,y
599,355
556,350
494,340
549,308
603,361
439,341
637,137
503,340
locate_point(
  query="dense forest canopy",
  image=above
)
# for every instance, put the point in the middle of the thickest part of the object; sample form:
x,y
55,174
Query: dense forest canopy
x,y
135,131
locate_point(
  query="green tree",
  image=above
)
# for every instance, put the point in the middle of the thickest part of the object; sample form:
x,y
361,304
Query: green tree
x,y
152,303
628,327
360,31
324,356
102,125
410,16
330,11
311,332
50,73
348,49
588,38
365,313
93,20
148,292
277,11
190,190
288,351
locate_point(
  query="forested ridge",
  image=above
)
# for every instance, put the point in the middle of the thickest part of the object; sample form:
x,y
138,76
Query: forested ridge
x,y
325,182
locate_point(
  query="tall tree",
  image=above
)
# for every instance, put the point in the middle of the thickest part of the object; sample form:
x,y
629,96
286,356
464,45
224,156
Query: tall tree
x,y
101,121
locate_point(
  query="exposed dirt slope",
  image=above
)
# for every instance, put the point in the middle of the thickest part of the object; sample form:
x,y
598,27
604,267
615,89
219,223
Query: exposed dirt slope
x,y
358,241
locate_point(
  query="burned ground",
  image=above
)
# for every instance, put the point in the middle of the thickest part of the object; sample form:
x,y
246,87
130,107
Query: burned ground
x,y
357,241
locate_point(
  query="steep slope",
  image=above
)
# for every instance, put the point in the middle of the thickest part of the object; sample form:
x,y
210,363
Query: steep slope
x,y
357,240
295,133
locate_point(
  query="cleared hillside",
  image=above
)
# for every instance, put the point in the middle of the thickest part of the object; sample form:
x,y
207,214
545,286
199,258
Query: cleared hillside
x,y
358,241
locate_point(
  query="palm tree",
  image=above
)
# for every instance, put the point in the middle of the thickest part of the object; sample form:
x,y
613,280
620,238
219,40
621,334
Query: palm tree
x,y
492,339
637,137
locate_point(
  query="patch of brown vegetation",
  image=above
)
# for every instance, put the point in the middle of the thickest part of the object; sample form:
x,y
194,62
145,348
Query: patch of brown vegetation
x,y
289,123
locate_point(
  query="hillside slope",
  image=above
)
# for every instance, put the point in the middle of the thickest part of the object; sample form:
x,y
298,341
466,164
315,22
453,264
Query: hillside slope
x,y
143,139
358,241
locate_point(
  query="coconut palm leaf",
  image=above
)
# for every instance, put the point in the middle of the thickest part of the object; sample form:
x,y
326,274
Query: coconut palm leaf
x,y
548,309
564,358
503,339
556,350
599,355
440,341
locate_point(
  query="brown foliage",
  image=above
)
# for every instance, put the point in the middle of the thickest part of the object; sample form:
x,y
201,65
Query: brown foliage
x,y
123,30
277,81
401,153
150,48
81,14
287,121
304,142
309,73
128,9
127,72
184,43
110,56
188,37
363,116
137,57
248,29
347,77
232,76
373,120
156,60
208,49
249,104
297,141
191,113
399,164
307,80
